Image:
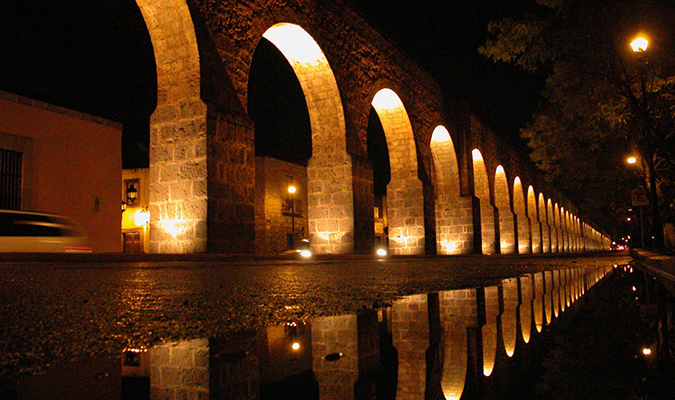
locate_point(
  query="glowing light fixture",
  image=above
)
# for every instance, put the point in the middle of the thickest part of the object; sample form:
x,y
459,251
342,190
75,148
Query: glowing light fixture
x,y
500,170
295,44
381,252
639,44
295,346
647,351
292,189
631,160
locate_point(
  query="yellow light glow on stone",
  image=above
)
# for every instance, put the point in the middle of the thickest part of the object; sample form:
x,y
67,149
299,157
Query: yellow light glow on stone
x,y
174,227
450,247
141,217
386,100
440,135
295,44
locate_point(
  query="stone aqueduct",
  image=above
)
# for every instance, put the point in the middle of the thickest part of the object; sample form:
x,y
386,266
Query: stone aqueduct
x,y
455,188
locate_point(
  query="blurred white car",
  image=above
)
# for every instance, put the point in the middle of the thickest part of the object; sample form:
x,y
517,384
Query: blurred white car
x,y
24,231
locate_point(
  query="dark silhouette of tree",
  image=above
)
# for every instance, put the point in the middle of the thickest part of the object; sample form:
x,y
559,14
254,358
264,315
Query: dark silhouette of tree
x,y
602,100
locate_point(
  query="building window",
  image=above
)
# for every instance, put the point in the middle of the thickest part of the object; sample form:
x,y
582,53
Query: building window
x,y
11,177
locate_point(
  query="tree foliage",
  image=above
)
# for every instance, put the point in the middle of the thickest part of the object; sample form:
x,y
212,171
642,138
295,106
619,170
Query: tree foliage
x,y
599,95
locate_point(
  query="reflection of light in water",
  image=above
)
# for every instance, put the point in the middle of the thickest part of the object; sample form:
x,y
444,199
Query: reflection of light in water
x,y
490,329
509,323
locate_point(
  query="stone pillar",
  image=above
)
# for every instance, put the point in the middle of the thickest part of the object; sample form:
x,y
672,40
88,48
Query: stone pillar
x,y
178,171
410,330
508,316
459,312
526,288
335,336
180,370
538,301
489,330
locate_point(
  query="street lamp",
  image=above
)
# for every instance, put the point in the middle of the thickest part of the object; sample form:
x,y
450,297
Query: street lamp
x,y
639,44
643,111
291,190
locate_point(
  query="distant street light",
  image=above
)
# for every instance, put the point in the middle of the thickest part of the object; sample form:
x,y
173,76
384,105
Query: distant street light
x,y
291,190
631,160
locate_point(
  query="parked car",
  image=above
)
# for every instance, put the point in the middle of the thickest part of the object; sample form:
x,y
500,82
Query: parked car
x,y
24,231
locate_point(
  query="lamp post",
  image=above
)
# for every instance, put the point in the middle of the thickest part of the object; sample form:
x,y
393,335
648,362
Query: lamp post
x,y
643,111
638,199
291,190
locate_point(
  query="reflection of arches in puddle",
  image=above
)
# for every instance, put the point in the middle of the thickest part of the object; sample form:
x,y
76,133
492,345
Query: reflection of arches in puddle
x,y
458,312
556,293
410,330
489,330
549,288
525,308
508,317
539,299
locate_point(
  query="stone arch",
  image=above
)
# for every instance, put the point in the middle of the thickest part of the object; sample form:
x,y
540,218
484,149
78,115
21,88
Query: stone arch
x,y
509,321
525,308
552,225
545,228
482,191
454,230
507,236
405,196
489,331
178,186
535,225
539,301
522,220
458,309
556,225
330,208
564,226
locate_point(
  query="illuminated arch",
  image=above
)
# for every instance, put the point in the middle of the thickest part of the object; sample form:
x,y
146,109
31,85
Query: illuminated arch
x,y
535,225
538,302
545,228
489,330
526,306
482,192
405,197
458,309
454,231
507,236
522,220
329,171
509,325
560,246
552,226
549,300
177,225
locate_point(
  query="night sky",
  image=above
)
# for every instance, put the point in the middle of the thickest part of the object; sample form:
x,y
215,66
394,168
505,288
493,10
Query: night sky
x,y
96,57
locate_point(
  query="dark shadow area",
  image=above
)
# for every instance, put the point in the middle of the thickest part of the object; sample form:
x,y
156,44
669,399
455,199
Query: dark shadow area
x,y
378,154
276,103
92,57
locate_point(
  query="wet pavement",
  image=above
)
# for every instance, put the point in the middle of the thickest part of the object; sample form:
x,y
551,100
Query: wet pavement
x,y
57,311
